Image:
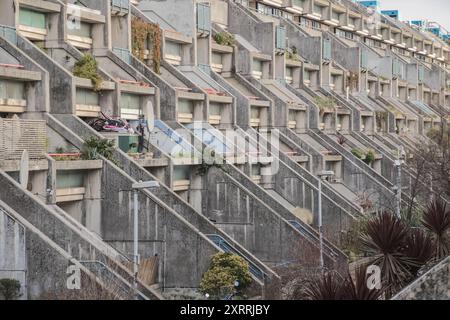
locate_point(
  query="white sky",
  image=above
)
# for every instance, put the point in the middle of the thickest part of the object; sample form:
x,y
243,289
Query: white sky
x,y
432,10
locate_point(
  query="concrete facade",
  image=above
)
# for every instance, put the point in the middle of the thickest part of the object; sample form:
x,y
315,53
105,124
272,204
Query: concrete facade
x,y
322,83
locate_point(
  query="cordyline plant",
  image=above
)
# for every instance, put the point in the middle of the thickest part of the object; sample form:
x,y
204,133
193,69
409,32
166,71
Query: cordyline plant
x,y
332,286
384,240
419,247
436,219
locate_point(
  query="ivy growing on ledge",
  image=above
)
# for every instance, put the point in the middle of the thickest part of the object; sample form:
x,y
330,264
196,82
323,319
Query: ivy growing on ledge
x,y
142,31
87,67
324,104
225,39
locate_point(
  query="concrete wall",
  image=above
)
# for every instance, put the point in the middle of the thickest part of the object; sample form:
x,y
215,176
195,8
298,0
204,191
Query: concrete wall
x,y
348,58
179,13
260,34
13,264
165,198
63,235
433,285
37,93
62,94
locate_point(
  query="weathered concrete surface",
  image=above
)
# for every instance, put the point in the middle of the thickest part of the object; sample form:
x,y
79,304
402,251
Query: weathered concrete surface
x,y
433,285
12,250
171,209
40,264
66,236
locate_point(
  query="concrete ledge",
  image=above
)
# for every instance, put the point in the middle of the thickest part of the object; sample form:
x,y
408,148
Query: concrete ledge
x,y
262,56
174,36
14,165
215,47
220,99
333,158
79,165
293,63
135,88
300,159
87,15
190,95
87,84
70,194
18,74
259,103
42,5
80,42
161,162
32,33
186,161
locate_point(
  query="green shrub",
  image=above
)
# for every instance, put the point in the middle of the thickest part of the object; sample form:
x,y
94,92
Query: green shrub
x,y
87,68
225,39
370,157
224,271
9,289
358,153
95,147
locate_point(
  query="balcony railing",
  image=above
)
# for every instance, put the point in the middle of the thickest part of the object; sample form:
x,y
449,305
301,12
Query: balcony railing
x,y
203,19
9,33
120,7
123,54
17,135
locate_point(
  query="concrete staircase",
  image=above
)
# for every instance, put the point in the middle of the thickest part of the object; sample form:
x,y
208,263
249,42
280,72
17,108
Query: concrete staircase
x,y
74,243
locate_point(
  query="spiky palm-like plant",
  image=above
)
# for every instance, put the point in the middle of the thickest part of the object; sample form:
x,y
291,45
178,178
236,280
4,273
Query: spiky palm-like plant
x,y
332,286
358,289
328,286
419,246
436,219
384,239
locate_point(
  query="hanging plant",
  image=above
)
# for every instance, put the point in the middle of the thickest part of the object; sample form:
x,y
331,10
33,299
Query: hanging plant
x,y
225,39
324,104
142,31
87,67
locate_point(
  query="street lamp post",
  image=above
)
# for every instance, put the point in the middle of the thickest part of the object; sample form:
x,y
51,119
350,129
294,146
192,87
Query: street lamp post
x,y
398,188
322,175
135,188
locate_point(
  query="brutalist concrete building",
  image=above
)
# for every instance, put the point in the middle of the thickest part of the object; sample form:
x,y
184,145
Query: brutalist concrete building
x,y
247,114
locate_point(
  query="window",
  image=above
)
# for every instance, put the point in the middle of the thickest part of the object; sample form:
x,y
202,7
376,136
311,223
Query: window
x,y
216,58
310,23
69,179
257,65
185,106
181,173
129,101
317,9
307,75
12,90
214,109
87,97
32,18
82,29
336,15
173,48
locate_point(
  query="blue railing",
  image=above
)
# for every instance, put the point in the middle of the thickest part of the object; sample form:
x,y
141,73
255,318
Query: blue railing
x,y
112,280
9,33
123,5
297,225
123,54
203,18
226,247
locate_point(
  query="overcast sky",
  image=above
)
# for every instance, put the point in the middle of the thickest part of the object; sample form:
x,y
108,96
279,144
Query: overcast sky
x,y
433,10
